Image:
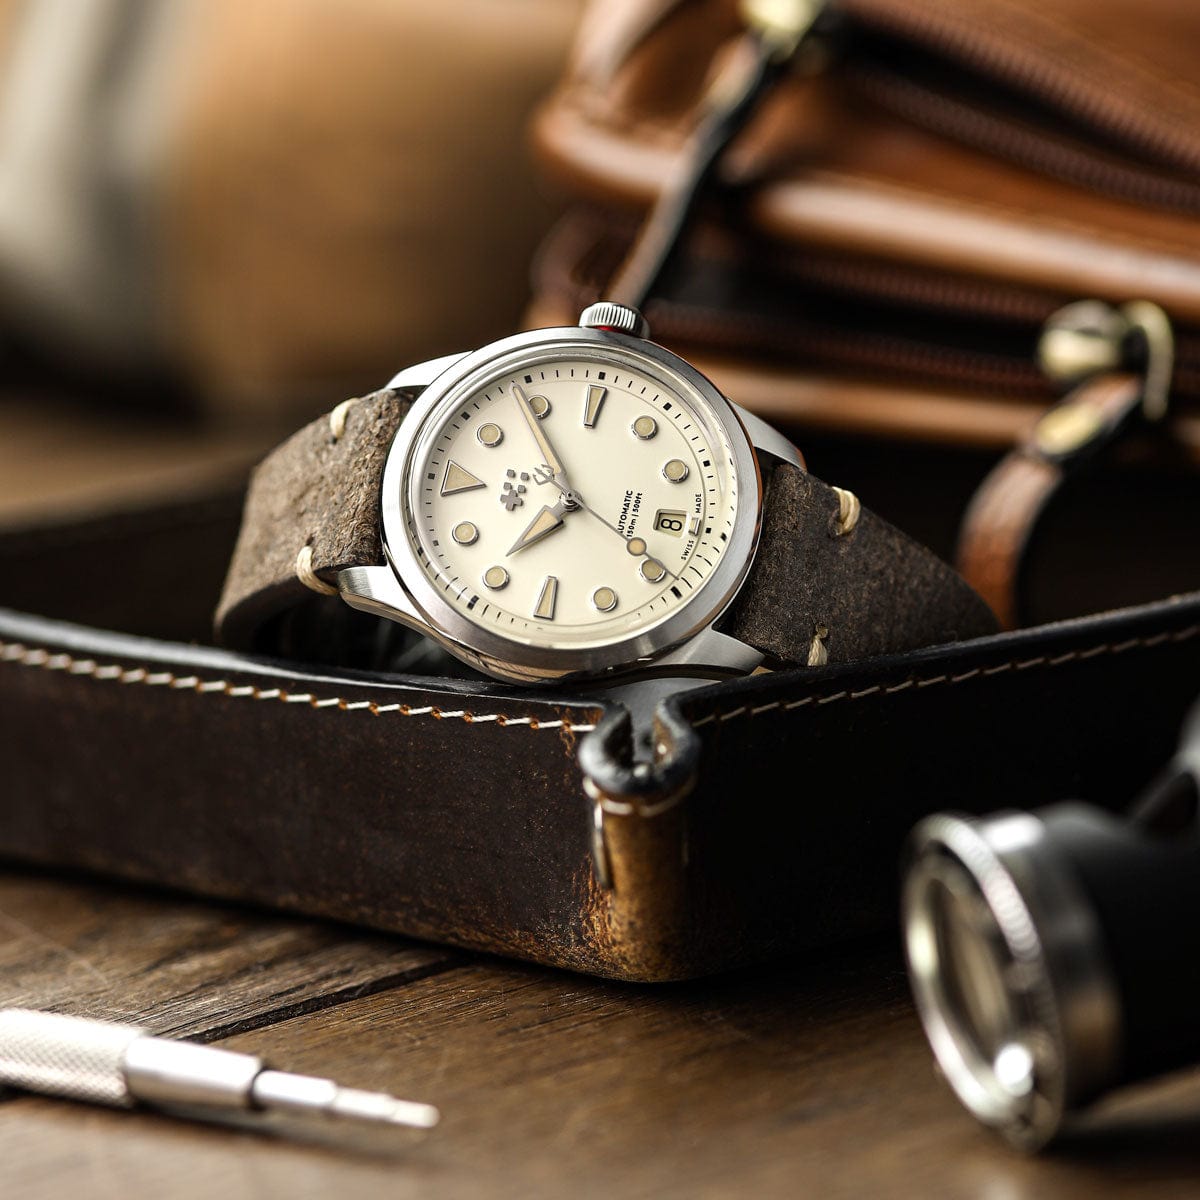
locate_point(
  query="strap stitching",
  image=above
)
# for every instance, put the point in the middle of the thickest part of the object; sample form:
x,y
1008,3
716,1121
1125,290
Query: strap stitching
x,y
879,689
307,576
337,418
37,656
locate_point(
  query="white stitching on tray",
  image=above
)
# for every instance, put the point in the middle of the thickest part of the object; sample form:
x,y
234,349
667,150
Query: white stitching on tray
x,y
36,656
1157,639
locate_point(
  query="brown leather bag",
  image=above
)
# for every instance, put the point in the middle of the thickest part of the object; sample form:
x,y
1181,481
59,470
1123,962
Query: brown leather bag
x,y
915,200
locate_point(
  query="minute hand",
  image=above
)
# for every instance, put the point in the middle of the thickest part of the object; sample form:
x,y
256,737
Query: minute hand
x,y
539,435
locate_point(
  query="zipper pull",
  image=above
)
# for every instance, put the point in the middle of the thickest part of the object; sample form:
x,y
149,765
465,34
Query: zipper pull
x,y
1118,364
1088,340
775,32
781,25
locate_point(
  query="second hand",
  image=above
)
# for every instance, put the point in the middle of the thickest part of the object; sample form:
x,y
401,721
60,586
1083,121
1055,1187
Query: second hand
x,y
574,499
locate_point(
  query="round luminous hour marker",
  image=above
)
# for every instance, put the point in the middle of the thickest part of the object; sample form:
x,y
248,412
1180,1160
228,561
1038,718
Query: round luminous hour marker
x,y
540,406
645,428
635,546
675,469
490,434
466,533
495,578
652,570
605,599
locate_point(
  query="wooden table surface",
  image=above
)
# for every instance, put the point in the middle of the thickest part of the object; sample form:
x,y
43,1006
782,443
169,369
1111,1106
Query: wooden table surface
x,y
808,1078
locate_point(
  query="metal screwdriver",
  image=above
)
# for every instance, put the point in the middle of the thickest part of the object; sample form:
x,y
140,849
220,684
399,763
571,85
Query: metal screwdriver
x,y
122,1066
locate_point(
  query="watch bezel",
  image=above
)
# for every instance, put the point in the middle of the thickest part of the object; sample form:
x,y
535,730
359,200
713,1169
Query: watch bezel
x,y
510,659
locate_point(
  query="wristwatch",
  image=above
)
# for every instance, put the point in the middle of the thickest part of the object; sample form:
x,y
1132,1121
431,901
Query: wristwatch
x,y
578,503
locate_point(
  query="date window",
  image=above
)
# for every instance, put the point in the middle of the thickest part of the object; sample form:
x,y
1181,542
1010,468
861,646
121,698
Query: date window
x,y
670,522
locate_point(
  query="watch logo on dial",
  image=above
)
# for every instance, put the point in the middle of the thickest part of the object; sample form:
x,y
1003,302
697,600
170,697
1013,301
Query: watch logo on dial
x,y
514,489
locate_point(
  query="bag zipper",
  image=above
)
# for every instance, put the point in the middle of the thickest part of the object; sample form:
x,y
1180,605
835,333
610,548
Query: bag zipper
x,y
1052,121
998,358
1047,153
886,318
810,309
920,60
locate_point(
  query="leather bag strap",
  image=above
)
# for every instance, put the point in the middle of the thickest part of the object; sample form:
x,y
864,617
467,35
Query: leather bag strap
x,y
1001,522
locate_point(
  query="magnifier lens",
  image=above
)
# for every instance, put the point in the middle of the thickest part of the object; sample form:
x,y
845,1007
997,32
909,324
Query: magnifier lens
x,y
979,979
974,962
1007,967
962,971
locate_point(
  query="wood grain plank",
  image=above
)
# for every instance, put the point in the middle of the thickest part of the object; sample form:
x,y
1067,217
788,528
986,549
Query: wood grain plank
x,y
192,969
807,1079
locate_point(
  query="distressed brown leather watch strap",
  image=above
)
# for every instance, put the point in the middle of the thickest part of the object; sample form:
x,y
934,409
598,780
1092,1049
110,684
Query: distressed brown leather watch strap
x,y
319,489
820,591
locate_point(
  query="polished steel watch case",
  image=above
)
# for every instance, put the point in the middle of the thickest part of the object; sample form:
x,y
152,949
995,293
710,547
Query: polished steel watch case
x,y
685,642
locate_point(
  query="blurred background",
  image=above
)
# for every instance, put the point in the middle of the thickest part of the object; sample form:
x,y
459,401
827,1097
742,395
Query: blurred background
x,y
218,219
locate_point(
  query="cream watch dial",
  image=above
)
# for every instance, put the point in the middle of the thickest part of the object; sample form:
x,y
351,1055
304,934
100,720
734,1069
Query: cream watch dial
x,y
572,501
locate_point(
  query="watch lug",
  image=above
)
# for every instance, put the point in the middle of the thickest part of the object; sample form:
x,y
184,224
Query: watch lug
x,y
766,439
419,376
376,590
712,654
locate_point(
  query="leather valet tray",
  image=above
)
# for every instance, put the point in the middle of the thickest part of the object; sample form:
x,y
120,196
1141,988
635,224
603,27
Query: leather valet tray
x,y
651,832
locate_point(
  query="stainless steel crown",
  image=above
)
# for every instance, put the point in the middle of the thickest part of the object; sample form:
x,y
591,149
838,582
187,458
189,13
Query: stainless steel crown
x,y
607,315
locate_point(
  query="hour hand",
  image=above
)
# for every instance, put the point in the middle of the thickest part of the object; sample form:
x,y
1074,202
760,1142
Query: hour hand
x,y
544,523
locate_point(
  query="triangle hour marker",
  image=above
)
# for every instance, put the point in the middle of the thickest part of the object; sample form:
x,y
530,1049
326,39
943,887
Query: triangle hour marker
x,y
459,479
